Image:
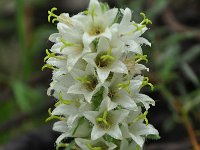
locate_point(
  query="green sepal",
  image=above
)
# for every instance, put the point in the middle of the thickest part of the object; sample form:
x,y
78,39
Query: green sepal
x,y
153,137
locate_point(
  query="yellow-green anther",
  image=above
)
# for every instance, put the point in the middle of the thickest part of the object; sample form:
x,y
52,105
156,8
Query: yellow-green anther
x,y
107,57
145,21
51,14
65,44
140,57
49,111
142,116
103,119
48,66
62,101
49,55
124,86
138,28
105,114
83,79
146,82
99,119
53,117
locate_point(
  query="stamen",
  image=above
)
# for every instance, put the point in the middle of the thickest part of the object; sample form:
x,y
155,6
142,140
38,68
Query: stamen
x,y
146,82
89,81
140,117
49,66
62,101
140,57
49,55
125,86
53,117
65,44
145,21
102,122
104,59
51,14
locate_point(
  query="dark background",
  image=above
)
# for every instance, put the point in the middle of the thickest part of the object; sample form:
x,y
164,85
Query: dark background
x,y
174,62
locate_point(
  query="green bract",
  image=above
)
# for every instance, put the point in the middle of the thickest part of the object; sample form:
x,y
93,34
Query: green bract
x,y
97,77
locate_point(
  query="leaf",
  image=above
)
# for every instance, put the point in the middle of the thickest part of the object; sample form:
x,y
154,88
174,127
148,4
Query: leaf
x,y
192,102
97,99
175,38
191,54
190,73
158,7
20,92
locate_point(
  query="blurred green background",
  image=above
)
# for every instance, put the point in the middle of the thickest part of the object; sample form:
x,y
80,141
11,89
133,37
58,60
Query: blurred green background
x,y
174,61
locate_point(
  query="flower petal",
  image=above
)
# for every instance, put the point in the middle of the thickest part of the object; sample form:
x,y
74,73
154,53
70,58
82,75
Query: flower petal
x,y
97,132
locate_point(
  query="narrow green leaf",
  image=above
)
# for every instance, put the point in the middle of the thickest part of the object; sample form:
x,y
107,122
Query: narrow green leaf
x,y
20,92
191,54
190,73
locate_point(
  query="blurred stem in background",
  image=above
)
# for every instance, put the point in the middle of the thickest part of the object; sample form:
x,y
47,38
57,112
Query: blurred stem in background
x,y
181,113
23,45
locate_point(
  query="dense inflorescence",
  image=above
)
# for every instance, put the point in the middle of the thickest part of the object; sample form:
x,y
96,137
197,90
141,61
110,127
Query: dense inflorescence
x,y
97,78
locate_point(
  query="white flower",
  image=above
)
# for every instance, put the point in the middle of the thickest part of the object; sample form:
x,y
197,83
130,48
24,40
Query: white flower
x,y
118,95
69,43
106,120
97,22
130,35
79,129
60,84
136,129
87,83
99,144
73,110
106,60
97,78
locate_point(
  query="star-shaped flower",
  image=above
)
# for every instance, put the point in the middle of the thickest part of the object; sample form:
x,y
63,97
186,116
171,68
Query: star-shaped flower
x,y
117,91
130,32
135,86
135,128
87,83
96,22
71,107
106,120
79,129
106,60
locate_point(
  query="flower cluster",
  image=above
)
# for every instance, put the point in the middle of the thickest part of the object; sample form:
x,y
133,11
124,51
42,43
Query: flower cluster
x,y
97,78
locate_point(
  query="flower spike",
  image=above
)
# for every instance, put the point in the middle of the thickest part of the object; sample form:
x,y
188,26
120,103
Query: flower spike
x,y
98,62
